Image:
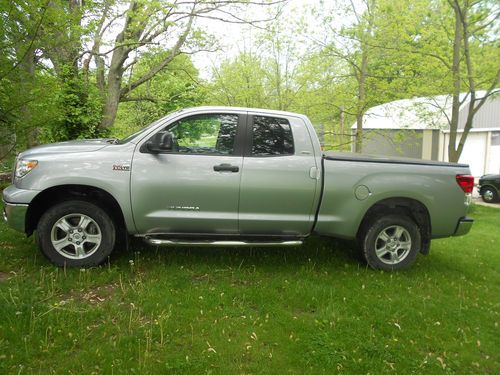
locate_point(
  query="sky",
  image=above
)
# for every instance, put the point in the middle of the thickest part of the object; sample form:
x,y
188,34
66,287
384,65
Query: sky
x,y
233,37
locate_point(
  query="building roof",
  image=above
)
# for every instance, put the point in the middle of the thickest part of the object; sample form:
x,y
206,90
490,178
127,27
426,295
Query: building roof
x,y
431,113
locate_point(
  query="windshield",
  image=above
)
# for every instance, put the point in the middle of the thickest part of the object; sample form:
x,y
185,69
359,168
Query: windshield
x,y
134,135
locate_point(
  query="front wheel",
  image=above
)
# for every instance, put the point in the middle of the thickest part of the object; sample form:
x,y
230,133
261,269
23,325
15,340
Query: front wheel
x,y
391,242
489,195
76,234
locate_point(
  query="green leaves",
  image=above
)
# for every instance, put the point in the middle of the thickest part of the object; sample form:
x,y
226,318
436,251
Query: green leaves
x,y
174,88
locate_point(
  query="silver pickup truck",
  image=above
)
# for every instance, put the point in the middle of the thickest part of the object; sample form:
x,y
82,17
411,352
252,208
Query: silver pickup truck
x,y
224,176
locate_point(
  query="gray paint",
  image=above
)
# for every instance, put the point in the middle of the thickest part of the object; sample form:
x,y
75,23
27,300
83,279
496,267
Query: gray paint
x,y
174,193
434,186
90,165
488,115
279,195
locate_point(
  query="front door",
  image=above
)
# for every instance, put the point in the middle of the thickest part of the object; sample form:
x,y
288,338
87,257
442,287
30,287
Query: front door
x,y
194,188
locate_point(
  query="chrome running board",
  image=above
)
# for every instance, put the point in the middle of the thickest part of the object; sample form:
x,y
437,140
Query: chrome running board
x,y
163,242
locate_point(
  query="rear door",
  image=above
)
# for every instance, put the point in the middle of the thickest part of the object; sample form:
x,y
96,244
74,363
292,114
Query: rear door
x,y
279,179
195,187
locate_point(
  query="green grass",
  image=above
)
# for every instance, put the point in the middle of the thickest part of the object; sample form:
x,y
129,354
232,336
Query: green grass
x,y
314,309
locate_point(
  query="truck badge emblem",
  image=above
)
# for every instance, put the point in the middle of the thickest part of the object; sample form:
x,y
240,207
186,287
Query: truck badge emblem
x,y
121,167
184,208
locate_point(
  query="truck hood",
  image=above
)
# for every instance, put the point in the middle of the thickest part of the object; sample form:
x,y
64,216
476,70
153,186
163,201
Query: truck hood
x,y
88,145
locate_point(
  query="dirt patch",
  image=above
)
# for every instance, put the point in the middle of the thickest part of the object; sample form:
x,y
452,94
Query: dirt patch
x,y
7,246
200,278
4,276
5,176
95,295
241,282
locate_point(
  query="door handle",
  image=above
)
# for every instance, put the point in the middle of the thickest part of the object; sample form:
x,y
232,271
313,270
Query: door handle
x,y
226,168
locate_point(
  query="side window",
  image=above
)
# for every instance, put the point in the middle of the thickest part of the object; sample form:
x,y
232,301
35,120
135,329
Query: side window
x,y
495,138
205,134
271,136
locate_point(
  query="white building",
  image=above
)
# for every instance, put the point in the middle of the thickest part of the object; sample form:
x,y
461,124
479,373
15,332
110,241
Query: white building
x,y
419,128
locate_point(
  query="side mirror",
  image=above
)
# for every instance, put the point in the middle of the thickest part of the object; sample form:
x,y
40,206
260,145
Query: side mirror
x,y
160,142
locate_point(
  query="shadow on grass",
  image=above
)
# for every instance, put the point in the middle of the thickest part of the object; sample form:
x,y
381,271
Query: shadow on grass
x,y
317,250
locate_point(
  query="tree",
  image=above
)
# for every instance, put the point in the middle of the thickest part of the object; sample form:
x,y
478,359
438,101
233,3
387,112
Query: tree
x,y
120,32
262,75
472,20
176,87
281,59
352,44
240,82
27,96
69,63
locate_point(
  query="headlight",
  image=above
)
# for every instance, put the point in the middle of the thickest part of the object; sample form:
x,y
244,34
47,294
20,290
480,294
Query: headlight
x,y
23,167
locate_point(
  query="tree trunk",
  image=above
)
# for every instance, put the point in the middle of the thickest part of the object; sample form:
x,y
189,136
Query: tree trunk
x,y
27,67
453,155
113,89
360,111
131,31
111,102
342,126
112,92
363,73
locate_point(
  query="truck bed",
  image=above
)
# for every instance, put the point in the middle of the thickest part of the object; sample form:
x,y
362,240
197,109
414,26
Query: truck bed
x,y
353,183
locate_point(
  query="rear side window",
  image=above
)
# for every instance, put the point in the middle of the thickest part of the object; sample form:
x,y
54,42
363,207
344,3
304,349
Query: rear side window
x,y
271,136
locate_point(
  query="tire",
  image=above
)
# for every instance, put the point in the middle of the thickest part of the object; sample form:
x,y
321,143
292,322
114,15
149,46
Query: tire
x,y
489,195
76,234
391,242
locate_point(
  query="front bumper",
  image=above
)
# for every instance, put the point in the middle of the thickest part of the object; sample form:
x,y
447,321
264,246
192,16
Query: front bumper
x,y
14,215
463,226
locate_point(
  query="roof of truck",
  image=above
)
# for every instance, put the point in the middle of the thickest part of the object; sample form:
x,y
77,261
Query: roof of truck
x,y
242,109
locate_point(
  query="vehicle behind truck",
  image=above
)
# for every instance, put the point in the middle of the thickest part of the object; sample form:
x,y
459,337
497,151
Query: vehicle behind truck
x,y
225,176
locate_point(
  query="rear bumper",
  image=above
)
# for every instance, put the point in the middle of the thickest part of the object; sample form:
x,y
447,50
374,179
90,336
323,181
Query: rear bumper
x,y
14,215
463,226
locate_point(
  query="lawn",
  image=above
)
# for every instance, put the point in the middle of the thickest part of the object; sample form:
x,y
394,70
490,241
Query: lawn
x,y
314,309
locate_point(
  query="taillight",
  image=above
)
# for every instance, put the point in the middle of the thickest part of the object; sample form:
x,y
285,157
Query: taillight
x,y
466,182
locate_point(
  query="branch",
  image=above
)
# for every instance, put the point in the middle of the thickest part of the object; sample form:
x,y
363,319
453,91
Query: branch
x,y
175,51
139,99
491,91
97,40
9,151
32,41
386,47
236,19
120,45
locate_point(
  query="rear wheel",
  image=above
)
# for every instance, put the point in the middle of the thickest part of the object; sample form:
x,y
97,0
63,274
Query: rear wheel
x,y
76,234
391,242
489,195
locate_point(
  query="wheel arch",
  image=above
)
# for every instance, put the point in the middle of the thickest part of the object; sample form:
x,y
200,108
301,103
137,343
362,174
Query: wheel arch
x,y
413,208
56,194
488,186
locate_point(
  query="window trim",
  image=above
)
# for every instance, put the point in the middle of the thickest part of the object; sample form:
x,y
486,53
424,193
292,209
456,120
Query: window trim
x,y
249,136
238,139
